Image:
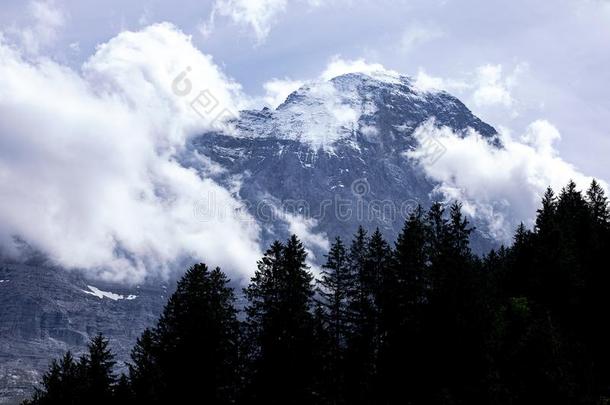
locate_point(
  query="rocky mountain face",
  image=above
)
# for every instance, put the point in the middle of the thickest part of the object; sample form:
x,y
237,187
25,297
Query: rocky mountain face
x,y
331,157
45,311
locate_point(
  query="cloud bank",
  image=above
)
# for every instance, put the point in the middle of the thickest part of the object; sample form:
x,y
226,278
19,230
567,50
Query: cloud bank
x,y
88,172
501,186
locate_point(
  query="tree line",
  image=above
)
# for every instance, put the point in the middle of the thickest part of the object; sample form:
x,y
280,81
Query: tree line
x,y
419,321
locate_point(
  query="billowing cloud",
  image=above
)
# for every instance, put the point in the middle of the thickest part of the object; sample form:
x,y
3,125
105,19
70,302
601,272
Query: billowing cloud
x,y
501,186
88,173
487,86
490,88
303,227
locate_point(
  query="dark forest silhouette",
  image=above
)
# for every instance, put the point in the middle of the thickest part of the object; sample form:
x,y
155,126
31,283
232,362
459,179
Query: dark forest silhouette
x,y
423,321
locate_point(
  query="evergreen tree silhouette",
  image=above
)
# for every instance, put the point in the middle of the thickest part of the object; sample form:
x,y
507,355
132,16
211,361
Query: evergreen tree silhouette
x,y
145,375
598,203
404,339
90,380
280,327
61,384
198,330
97,367
360,352
333,314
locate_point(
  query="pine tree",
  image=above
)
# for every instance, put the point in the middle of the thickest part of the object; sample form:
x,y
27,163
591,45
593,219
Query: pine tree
x,y
328,385
404,341
360,302
61,384
360,352
280,327
198,330
459,231
98,367
377,267
145,375
546,214
333,289
598,203
410,264
89,380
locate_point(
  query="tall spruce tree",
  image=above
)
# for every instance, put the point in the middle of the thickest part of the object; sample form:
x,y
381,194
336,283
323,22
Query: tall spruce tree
x,y
98,369
404,335
192,353
145,375
280,327
382,284
360,352
410,267
598,203
333,290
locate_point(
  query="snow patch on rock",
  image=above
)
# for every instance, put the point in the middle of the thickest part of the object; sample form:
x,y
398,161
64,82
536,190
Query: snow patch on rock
x,y
106,294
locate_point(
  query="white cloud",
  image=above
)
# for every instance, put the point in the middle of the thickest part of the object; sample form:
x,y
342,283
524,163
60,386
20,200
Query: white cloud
x,y
277,90
88,172
491,89
45,20
425,82
312,241
303,228
542,136
488,89
258,15
502,186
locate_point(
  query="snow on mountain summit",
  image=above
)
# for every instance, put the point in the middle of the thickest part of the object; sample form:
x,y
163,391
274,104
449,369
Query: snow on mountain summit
x,y
320,113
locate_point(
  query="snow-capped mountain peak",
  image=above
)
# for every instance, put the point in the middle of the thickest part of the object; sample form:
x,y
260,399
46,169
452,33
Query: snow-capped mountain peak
x,y
321,113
